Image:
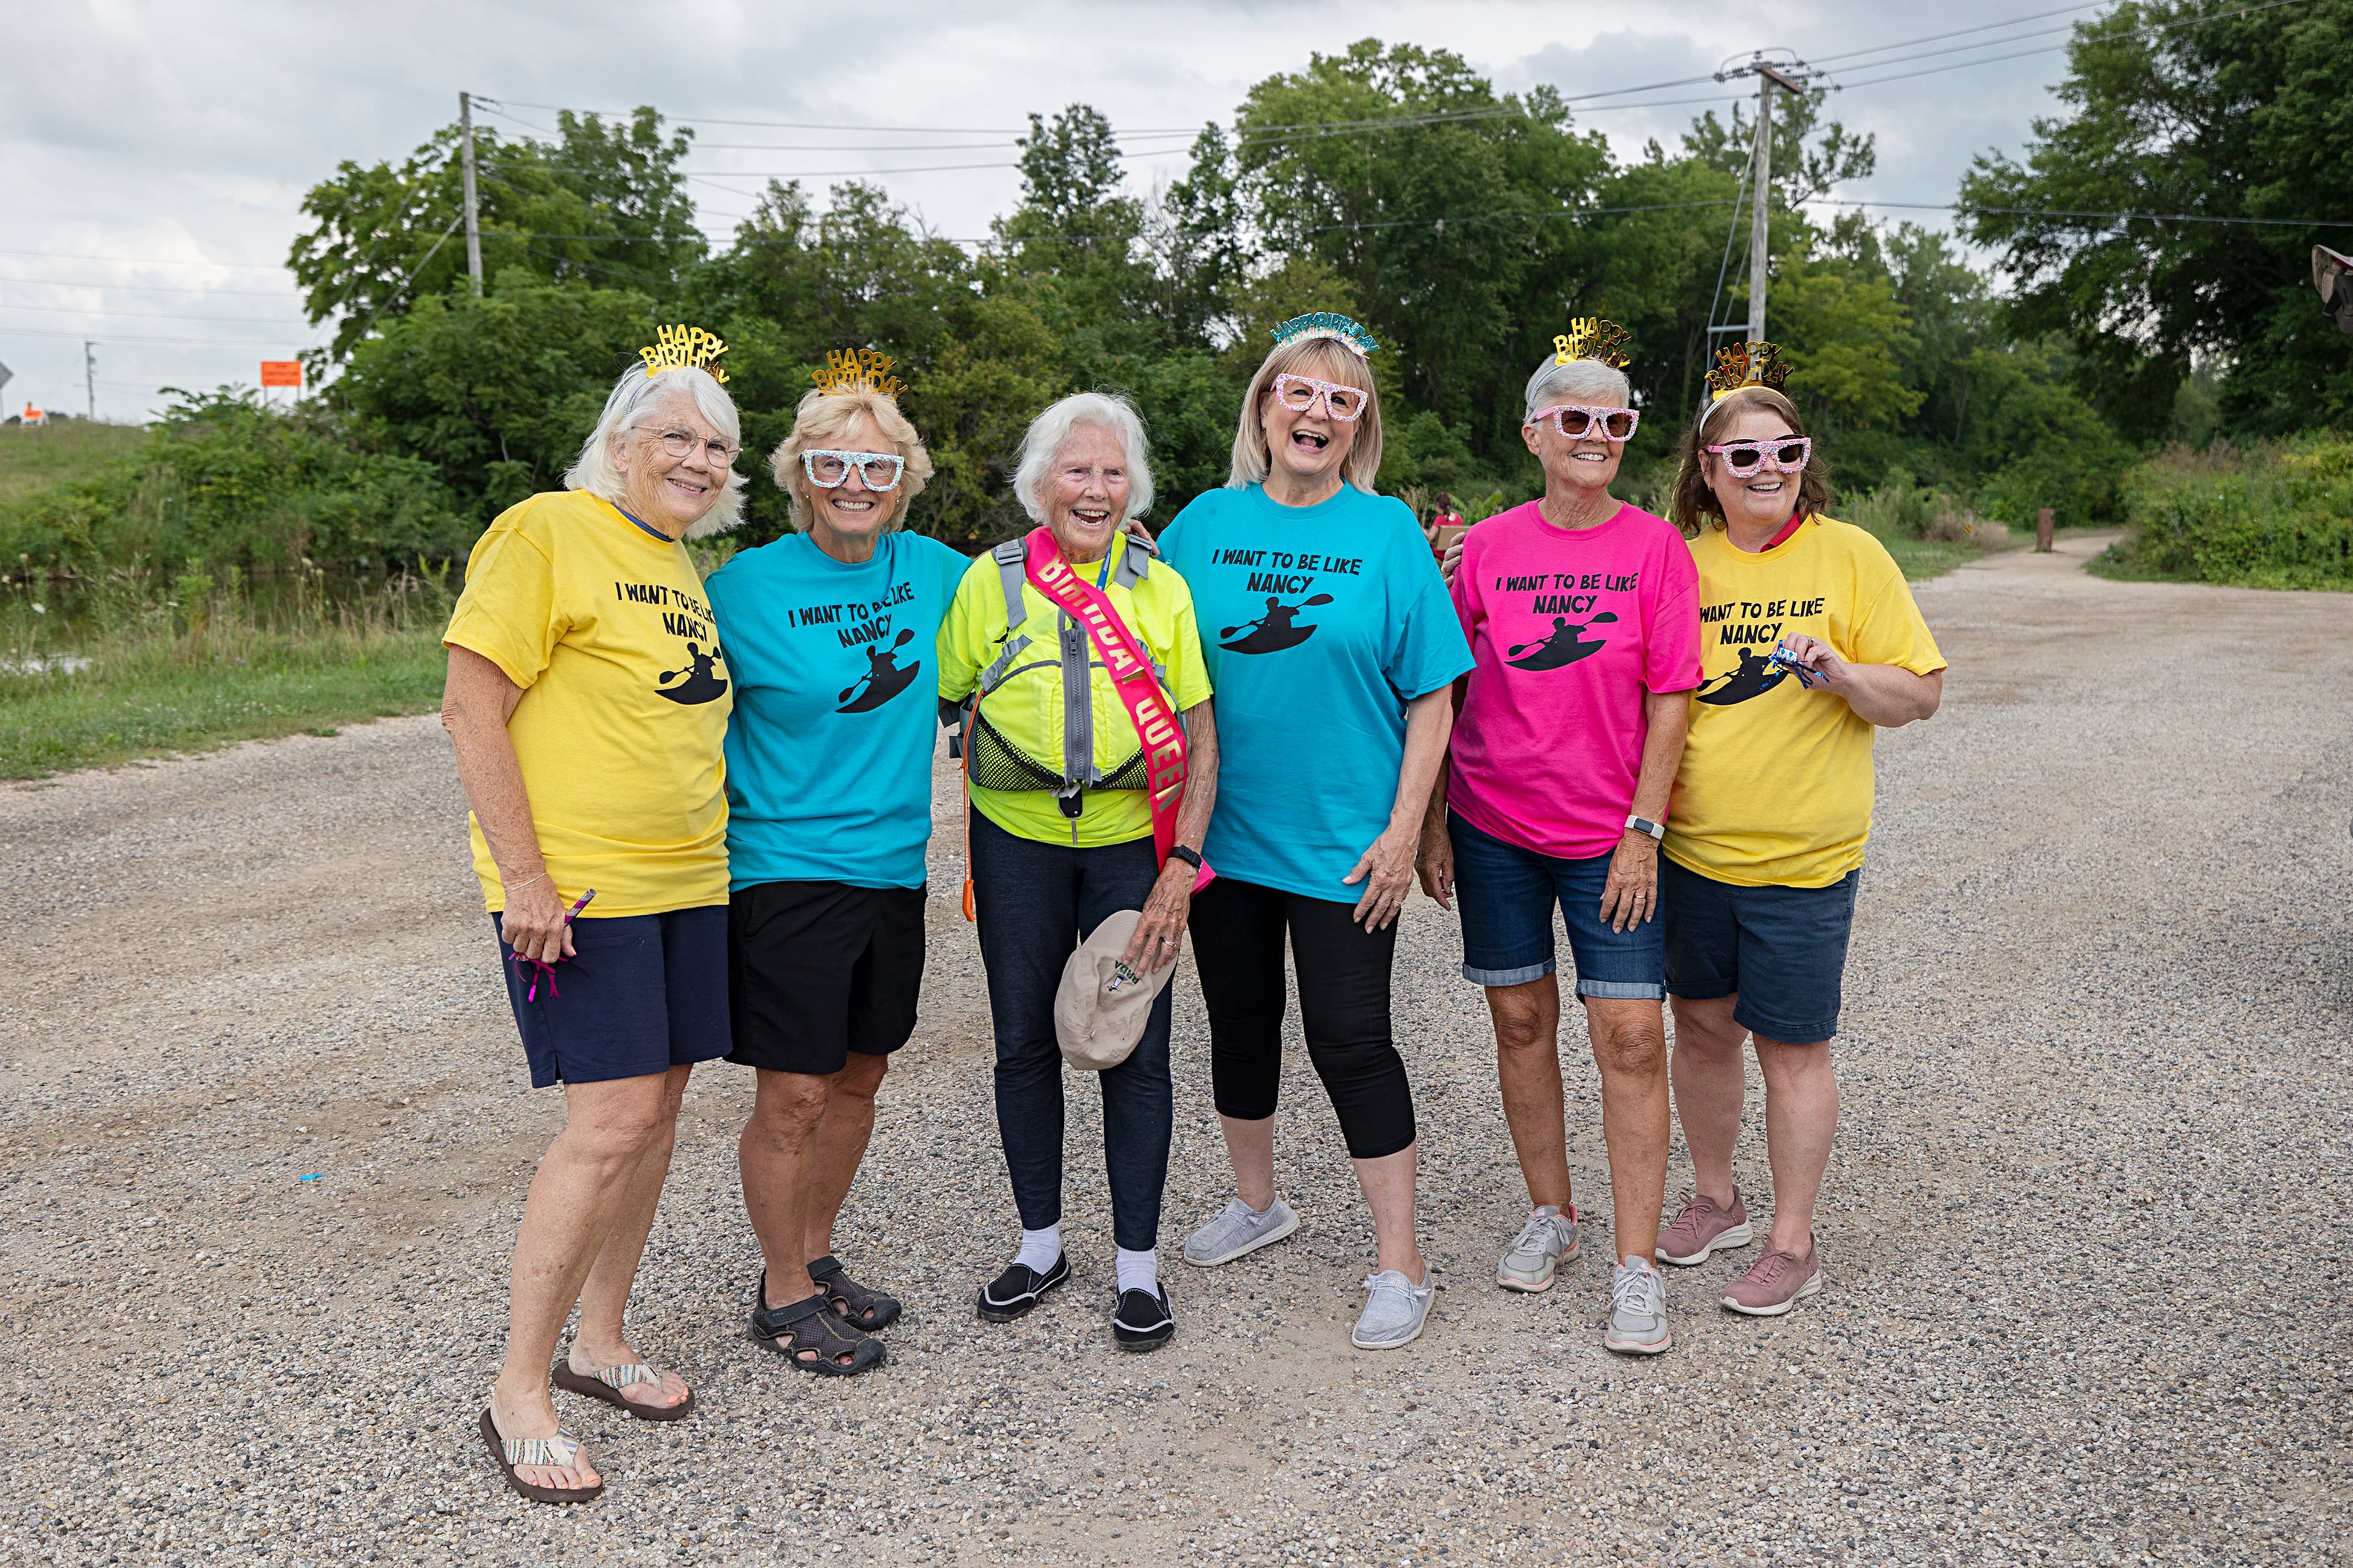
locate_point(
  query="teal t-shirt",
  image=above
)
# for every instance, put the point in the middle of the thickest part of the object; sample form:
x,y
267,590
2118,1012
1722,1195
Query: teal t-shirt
x,y
837,709
1318,625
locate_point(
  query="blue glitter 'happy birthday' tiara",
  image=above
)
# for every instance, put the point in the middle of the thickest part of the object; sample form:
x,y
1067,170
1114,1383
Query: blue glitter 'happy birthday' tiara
x,y
1325,324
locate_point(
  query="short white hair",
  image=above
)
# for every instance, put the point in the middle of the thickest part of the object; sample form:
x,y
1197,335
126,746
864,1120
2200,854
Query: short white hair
x,y
636,397
1578,381
1049,430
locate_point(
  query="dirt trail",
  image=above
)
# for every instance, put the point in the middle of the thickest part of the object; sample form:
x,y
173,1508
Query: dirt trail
x,y
2086,1301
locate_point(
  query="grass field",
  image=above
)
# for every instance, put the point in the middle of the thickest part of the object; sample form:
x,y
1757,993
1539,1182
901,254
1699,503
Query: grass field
x,y
150,704
32,458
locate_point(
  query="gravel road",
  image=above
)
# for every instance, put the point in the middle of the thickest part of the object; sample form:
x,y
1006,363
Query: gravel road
x,y
268,1132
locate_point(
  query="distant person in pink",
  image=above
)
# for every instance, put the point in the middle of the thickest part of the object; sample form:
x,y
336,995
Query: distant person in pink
x,y
1583,614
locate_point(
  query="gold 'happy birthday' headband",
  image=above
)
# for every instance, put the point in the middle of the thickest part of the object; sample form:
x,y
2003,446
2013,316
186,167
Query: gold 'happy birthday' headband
x,y
684,348
1590,337
851,371
1746,364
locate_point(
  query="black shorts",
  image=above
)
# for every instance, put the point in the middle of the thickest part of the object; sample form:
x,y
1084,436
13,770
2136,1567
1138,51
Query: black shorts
x,y
816,970
1781,950
641,997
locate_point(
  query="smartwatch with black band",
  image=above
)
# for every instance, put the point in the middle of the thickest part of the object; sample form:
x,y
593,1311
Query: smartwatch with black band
x,y
1644,825
1190,856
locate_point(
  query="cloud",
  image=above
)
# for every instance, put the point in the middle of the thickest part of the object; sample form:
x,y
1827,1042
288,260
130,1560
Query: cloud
x,y
184,135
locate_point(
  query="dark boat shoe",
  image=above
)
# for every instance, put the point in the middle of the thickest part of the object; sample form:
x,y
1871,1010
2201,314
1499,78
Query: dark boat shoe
x,y
1142,1322
1018,1289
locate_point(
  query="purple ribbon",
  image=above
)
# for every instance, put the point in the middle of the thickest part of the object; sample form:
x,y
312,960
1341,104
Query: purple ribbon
x,y
545,972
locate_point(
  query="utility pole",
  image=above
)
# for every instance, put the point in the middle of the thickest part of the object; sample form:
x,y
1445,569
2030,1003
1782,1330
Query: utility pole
x,y
89,372
473,211
1792,78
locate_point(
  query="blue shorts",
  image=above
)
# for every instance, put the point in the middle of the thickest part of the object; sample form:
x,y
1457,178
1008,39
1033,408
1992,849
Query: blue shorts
x,y
1781,950
1507,894
641,994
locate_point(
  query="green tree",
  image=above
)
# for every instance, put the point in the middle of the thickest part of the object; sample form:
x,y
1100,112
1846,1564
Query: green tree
x,y
2185,108
496,392
1447,209
603,203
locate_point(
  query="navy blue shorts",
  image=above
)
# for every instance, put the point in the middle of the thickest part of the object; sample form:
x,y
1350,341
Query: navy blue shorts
x,y
1507,894
1781,950
641,994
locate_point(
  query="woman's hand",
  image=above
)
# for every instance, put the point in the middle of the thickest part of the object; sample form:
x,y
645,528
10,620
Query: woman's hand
x,y
532,922
1387,871
1630,896
1155,944
1820,657
1436,863
1451,561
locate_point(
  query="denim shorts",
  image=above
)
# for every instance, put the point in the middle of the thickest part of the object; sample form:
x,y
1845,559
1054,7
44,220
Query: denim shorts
x,y
1781,950
641,994
1506,895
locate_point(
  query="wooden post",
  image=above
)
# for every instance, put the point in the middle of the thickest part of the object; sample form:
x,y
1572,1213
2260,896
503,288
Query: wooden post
x,y
2043,531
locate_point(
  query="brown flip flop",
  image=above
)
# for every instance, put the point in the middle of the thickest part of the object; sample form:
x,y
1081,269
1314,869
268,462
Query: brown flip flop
x,y
559,1450
607,1384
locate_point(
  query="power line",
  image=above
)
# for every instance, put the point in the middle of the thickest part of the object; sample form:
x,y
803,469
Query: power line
x,y
147,260
147,287
148,315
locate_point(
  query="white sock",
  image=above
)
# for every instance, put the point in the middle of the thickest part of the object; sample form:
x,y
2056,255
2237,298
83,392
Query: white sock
x,y
1040,1248
1139,1270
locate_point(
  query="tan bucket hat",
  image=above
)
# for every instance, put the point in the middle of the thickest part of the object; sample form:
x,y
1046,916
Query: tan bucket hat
x,y
1102,1004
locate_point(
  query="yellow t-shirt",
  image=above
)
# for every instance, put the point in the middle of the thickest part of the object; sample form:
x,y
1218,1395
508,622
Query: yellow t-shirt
x,y
1776,784
625,702
1026,708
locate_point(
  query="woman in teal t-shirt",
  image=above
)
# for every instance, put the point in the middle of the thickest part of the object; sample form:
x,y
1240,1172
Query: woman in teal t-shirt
x,y
829,634
1331,645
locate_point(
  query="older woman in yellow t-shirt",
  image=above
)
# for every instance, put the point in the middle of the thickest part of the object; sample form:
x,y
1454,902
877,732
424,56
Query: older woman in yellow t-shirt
x,y
1810,643
589,699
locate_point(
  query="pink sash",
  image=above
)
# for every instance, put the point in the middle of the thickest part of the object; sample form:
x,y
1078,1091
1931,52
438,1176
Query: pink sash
x,y
1131,674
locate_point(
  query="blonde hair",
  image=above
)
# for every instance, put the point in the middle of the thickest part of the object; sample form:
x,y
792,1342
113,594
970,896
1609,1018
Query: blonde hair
x,y
635,398
822,419
1326,359
1043,443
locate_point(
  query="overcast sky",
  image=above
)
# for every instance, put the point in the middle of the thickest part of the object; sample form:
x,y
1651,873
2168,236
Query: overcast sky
x,y
153,157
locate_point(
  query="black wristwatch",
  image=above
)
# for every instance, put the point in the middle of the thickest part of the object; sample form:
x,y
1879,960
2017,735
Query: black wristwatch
x,y
1190,856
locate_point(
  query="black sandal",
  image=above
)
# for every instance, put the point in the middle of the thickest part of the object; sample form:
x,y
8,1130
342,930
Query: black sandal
x,y
809,1329
853,1303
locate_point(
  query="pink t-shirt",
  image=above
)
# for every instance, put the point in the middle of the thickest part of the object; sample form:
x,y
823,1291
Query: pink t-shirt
x,y
1570,627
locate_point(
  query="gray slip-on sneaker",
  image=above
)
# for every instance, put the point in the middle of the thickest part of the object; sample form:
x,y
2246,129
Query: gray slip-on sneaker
x,y
1395,1310
1546,1241
1638,1311
1237,1229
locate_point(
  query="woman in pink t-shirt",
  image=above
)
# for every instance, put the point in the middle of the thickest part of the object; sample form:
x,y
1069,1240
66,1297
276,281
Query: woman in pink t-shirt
x,y
1583,614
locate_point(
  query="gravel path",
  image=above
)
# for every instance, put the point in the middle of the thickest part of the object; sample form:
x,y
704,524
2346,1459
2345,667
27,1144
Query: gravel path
x,y
2086,1303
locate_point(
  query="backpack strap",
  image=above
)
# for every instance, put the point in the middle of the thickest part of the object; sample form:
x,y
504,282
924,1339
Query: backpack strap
x,y
1134,562
1011,575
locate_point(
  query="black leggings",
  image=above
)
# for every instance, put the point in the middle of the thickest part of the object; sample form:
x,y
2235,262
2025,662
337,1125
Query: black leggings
x,y
1344,1002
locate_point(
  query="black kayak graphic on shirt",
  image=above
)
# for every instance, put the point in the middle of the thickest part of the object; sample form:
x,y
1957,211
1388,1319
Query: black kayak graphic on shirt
x,y
1565,646
1274,631
883,678
702,685
1756,676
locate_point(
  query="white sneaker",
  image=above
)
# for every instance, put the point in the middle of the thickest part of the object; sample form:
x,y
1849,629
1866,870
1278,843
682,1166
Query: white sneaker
x,y
1395,1310
1237,1229
1638,1309
1546,1241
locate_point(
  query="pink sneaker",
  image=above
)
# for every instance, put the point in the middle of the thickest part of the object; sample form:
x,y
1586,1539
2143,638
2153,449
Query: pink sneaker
x,y
1775,1283
1704,1227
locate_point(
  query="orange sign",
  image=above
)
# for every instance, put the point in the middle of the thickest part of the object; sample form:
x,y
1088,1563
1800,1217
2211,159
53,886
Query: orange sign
x,y
282,373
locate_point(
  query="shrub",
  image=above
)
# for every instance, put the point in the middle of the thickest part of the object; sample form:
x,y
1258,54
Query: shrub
x,y
2269,516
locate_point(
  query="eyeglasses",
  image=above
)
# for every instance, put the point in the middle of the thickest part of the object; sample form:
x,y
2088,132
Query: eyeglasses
x,y
682,443
829,470
1300,394
1576,421
1787,456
